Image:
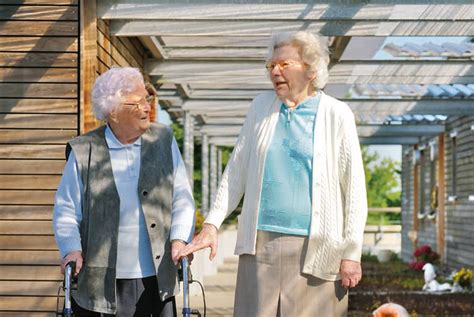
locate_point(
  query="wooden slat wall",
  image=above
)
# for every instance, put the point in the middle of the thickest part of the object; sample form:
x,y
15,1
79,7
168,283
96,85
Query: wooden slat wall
x,y
39,86
112,51
458,215
39,113
426,227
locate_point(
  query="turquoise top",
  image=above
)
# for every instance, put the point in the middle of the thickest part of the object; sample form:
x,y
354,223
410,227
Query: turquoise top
x,y
285,201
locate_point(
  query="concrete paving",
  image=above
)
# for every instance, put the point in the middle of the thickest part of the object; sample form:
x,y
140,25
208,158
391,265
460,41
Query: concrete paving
x,y
219,290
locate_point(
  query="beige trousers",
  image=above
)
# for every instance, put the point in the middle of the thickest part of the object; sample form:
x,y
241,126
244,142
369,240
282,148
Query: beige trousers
x,y
271,284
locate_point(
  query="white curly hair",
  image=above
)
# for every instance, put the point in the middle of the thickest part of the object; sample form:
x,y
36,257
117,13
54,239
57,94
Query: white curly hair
x,y
313,50
111,86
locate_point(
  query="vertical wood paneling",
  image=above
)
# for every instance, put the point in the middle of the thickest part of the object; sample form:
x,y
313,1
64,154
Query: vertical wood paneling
x,y
89,63
459,219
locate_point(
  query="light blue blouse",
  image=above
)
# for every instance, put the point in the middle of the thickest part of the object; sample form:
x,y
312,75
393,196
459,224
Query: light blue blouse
x,y
285,201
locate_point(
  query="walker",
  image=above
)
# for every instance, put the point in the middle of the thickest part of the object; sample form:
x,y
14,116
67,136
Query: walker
x,y
185,275
69,283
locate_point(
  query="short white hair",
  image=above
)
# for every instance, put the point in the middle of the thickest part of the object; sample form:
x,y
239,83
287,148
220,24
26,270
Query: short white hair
x,y
314,52
111,86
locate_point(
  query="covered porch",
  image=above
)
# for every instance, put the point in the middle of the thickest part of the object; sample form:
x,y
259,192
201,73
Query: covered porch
x,y
406,71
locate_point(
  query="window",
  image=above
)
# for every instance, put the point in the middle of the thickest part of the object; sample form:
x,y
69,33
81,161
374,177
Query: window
x,y
422,183
452,194
433,180
471,196
406,190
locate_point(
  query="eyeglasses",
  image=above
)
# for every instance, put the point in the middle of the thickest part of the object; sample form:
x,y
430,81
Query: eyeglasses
x,y
143,102
281,64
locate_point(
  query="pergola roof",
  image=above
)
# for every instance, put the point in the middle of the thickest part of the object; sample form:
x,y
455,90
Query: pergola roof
x,y
207,58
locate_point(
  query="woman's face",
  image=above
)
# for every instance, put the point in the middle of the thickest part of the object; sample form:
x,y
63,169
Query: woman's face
x,y
289,74
132,117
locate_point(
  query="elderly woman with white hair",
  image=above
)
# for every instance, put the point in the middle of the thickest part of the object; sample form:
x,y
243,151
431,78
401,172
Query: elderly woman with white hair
x,y
124,208
298,162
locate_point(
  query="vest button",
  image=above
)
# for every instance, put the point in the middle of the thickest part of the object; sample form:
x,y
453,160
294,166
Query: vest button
x,y
153,225
158,257
145,193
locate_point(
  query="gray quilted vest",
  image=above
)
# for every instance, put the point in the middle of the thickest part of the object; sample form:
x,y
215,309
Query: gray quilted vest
x,y
100,214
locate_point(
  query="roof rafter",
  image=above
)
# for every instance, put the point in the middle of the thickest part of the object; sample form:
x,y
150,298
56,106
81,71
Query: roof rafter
x,y
231,140
265,28
383,106
284,10
364,131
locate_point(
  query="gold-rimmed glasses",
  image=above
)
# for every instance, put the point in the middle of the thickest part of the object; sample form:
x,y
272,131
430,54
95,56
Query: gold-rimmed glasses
x,y
281,64
142,102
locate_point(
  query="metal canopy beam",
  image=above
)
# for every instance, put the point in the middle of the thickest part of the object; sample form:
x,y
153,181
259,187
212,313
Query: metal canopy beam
x,y
259,53
364,131
345,72
284,10
240,93
385,106
438,79
231,140
153,44
245,81
223,140
223,119
405,130
265,28
367,67
389,140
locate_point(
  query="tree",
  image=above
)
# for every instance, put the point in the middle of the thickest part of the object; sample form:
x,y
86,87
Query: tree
x,y
382,180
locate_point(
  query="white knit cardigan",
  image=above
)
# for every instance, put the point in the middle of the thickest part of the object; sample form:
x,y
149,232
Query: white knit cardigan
x,y
339,202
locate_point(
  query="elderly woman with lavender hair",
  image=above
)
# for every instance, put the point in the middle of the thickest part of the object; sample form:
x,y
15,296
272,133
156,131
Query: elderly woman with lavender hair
x,y
124,208
298,162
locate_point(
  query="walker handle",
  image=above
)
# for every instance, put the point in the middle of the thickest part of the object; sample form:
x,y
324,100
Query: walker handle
x,y
185,272
68,286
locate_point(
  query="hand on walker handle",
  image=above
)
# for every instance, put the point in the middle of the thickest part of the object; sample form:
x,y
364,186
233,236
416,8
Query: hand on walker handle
x,y
72,256
176,247
207,238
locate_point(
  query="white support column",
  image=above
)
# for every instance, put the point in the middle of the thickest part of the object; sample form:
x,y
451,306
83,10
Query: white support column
x,y
219,165
205,175
213,172
189,145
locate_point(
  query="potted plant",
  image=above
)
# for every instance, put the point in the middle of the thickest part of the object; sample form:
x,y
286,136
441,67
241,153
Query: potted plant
x,y
463,278
423,254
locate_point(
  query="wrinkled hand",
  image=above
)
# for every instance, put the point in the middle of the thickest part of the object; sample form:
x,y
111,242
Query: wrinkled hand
x,y
207,238
351,273
176,247
72,256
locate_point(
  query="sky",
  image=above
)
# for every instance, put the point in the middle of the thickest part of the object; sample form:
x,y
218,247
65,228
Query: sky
x,y
163,116
393,152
